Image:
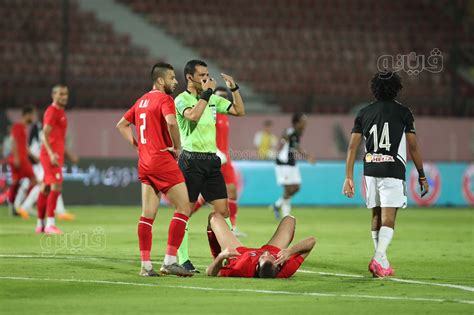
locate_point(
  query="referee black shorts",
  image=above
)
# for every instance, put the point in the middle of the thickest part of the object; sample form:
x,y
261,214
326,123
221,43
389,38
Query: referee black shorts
x,y
202,172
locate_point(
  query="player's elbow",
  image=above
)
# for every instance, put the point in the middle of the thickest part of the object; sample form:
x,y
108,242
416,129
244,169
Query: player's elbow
x,y
241,113
193,117
311,242
209,272
172,123
119,125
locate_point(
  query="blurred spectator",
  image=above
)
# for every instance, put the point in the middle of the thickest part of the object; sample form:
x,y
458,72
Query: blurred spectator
x,y
265,141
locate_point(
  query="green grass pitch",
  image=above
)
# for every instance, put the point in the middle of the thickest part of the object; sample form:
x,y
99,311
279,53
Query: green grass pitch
x,y
92,269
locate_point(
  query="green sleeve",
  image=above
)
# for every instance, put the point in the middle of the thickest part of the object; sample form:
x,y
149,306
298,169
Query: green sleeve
x,y
222,105
181,104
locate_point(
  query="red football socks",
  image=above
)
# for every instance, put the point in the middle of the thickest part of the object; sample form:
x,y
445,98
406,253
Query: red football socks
x,y
233,211
12,192
41,205
145,226
213,243
176,233
52,201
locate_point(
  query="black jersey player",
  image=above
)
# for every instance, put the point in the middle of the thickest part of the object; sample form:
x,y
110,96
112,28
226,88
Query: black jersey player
x,y
387,126
286,170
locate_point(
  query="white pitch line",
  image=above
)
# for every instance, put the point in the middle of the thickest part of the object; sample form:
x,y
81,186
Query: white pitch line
x,y
453,286
446,285
317,294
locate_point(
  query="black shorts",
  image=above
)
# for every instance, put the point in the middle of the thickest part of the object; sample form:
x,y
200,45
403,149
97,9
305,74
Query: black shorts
x,y
202,172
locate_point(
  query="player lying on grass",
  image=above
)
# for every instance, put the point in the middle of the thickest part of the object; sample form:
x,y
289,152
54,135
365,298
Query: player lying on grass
x,y
273,260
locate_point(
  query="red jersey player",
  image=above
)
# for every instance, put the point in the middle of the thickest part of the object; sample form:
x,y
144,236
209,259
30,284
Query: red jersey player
x,y
19,160
158,144
227,169
272,260
52,159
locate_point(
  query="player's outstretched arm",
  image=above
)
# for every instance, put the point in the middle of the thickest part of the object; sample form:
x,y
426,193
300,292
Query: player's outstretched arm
x,y
416,157
302,248
123,127
349,189
239,108
216,265
195,113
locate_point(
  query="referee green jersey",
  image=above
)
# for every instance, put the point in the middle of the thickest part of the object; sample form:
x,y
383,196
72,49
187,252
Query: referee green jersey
x,y
199,136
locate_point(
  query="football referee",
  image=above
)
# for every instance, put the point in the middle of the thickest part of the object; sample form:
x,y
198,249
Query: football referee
x,y
196,110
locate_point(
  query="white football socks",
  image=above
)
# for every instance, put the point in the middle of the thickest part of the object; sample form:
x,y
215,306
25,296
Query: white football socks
x,y
384,239
169,260
375,237
279,202
39,223
147,265
285,207
30,201
50,222
60,209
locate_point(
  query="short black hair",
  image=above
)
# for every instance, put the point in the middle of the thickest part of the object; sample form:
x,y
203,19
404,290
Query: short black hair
x,y
190,67
297,117
267,270
268,122
27,110
159,69
386,85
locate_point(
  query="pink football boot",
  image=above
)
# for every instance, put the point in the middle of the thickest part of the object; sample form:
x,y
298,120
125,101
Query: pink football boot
x,y
52,230
376,269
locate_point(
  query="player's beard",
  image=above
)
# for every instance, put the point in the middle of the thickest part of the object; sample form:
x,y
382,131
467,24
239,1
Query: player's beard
x,y
169,89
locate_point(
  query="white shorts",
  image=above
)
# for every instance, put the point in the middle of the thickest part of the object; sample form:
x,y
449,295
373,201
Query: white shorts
x,y
39,172
287,175
385,192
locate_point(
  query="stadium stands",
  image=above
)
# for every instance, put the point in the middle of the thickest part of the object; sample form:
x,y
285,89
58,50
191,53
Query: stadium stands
x,y
301,53
103,68
304,54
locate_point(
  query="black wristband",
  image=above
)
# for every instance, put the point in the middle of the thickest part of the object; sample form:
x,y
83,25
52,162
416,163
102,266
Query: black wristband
x,y
206,95
421,173
235,88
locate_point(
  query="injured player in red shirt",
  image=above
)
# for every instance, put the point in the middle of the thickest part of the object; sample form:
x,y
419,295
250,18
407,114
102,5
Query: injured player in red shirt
x,y
273,260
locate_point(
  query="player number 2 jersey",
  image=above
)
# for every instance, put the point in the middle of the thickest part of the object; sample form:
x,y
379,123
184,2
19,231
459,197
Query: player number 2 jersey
x,y
383,125
148,115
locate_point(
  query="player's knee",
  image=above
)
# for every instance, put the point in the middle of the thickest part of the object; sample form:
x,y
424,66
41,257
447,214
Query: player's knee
x,y
388,222
289,219
184,209
149,213
215,216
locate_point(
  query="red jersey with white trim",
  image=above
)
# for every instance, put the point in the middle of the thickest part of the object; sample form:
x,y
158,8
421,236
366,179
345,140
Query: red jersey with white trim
x,y
148,115
18,133
245,265
222,134
56,118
